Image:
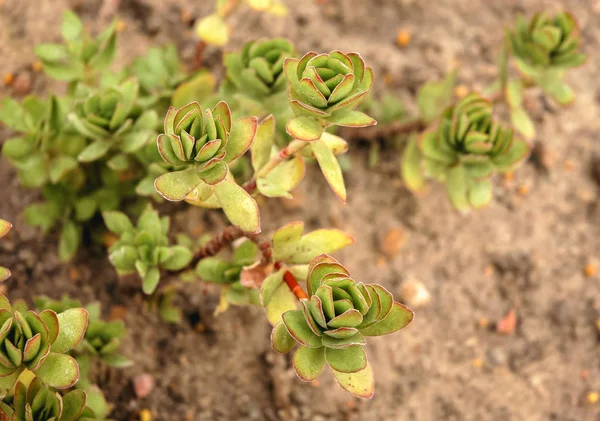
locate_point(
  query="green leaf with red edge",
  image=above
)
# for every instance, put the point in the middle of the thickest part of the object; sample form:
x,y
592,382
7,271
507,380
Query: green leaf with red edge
x,y
297,327
309,362
73,404
360,384
286,240
351,118
5,227
263,142
283,179
517,153
346,360
216,173
321,241
305,128
281,340
269,287
399,317
59,371
72,325
241,137
239,207
282,300
175,186
330,168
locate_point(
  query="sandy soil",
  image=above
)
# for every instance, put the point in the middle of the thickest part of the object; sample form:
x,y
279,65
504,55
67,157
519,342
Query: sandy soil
x,y
526,251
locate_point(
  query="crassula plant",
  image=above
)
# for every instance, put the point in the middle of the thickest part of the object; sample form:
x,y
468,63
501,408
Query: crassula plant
x,y
330,329
464,143
124,140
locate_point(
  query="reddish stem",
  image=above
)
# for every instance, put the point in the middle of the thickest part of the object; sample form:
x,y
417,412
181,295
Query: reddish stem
x,y
292,283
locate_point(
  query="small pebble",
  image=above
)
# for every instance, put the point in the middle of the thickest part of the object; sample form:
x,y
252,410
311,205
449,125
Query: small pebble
x,y
403,38
593,397
414,294
590,270
497,356
143,385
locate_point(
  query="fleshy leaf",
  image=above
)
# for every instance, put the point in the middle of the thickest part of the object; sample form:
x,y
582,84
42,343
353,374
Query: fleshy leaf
x,y
321,241
346,360
297,327
286,240
72,325
281,340
59,371
175,186
242,135
360,384
241,209
399,317
412,173
309,362
263,142
282,300
305,128
330,168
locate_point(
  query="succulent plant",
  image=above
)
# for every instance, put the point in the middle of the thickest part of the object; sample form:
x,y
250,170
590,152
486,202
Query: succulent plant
x,y
102,339
202,143
144,248
81,58
258,68
112,120
46,148
466,148
38,342
5,227
547,41
38,402
324,90
333,323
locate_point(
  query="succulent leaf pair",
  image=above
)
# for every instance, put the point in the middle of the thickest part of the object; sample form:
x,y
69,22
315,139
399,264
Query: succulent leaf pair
x,y
332,325
324,90
38,342
145,248
38,402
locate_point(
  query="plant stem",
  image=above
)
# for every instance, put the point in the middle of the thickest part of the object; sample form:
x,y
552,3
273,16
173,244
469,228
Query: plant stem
x,y
215,245
290,150
292,283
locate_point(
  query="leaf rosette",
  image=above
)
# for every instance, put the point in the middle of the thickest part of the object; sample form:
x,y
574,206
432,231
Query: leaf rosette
x,y
38,342
466,148
332,325
38,402
324,90
547,42
200,144
258,68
